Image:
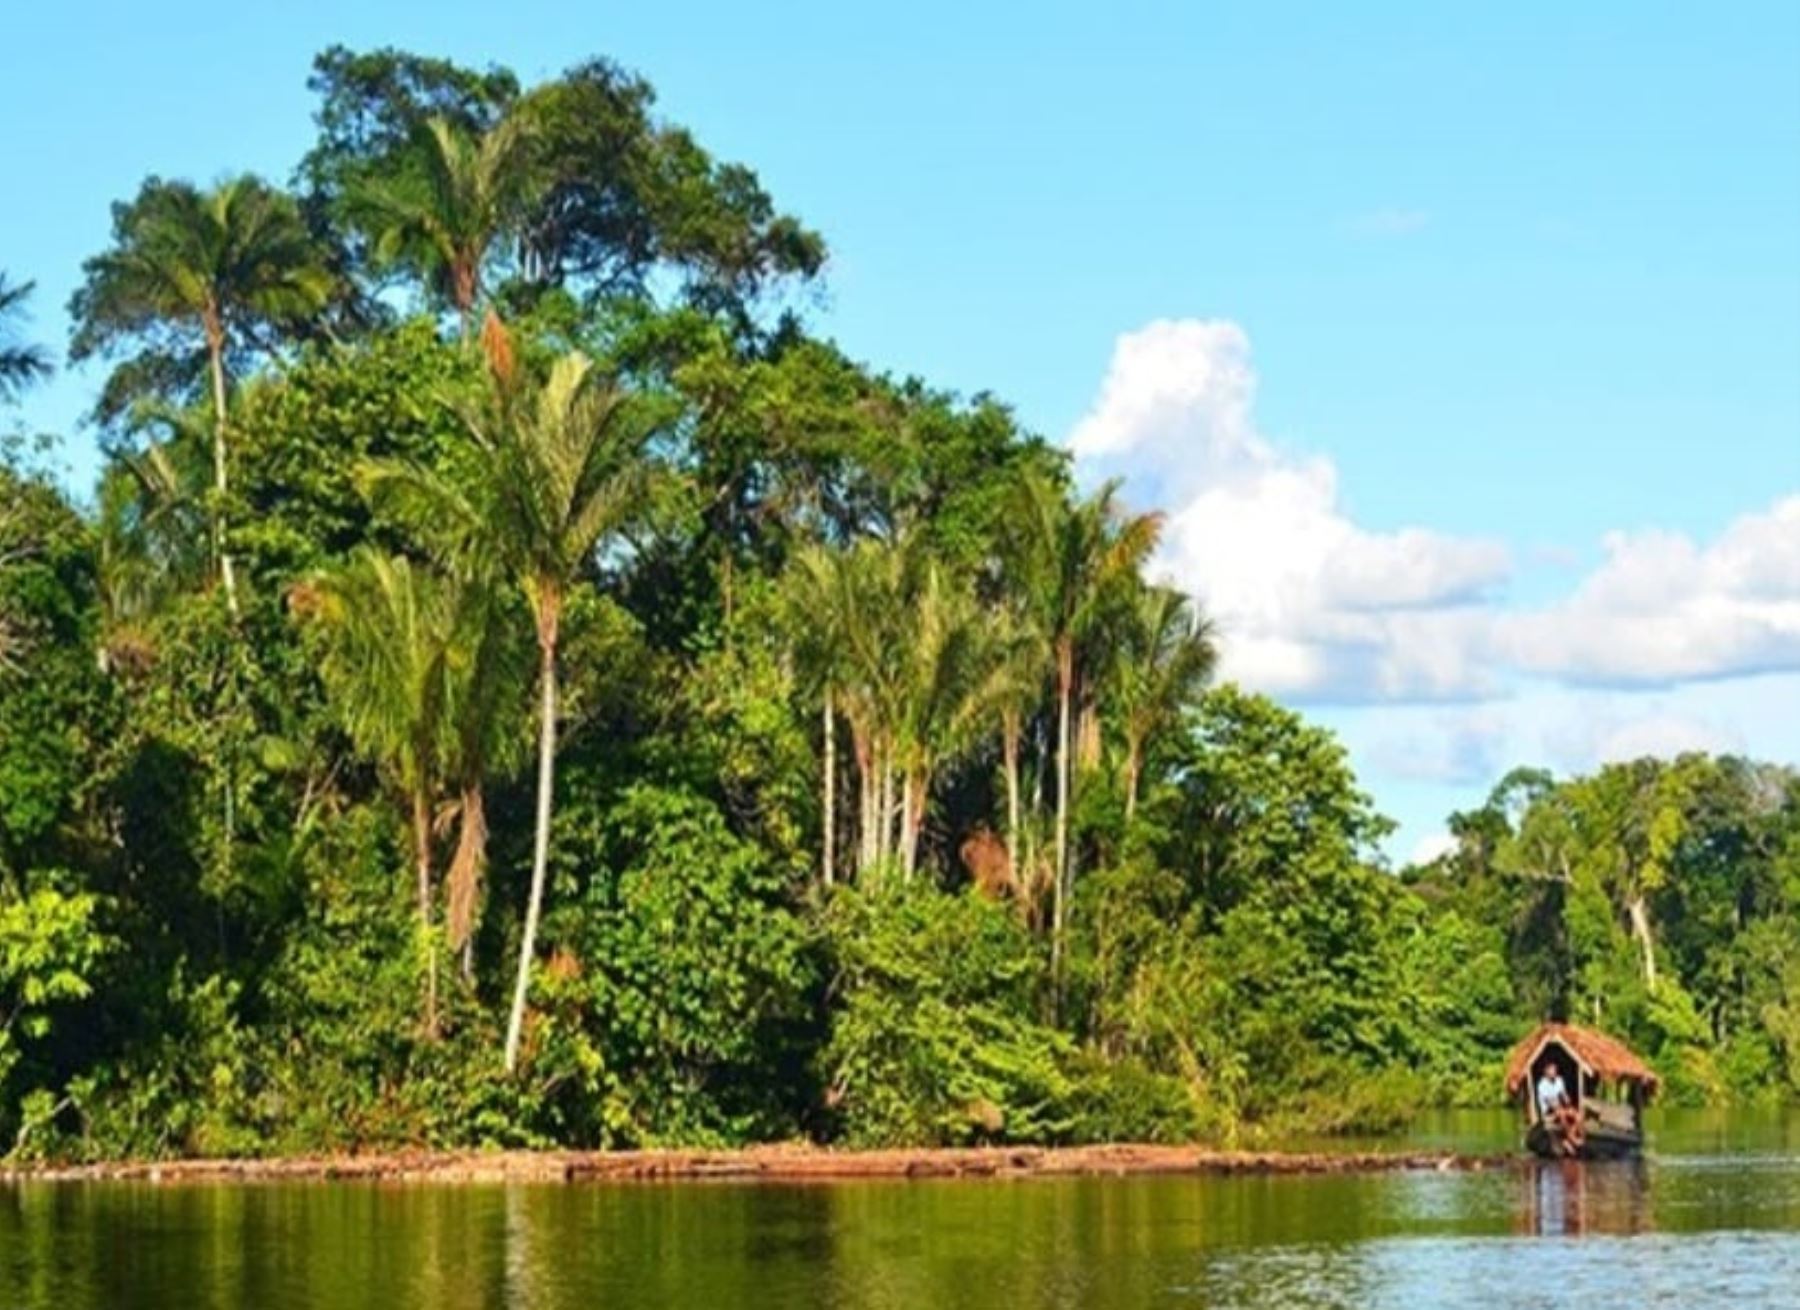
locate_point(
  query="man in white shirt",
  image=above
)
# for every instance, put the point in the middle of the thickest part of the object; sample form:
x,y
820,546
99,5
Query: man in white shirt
x,y
1551,1094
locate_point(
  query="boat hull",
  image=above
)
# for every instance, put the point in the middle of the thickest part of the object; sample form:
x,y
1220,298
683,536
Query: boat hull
x,y
1597,1143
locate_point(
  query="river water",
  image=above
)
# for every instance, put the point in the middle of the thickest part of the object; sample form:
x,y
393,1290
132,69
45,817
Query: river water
x,y
1711,1217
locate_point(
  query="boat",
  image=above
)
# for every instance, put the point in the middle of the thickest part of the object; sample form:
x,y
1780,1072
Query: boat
x,y
1608,1087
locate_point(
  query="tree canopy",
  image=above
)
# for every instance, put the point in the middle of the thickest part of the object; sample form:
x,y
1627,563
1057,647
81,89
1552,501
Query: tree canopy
x,y
513,683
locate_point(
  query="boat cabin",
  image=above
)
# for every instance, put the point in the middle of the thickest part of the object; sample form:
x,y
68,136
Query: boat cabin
x,y
1606,1083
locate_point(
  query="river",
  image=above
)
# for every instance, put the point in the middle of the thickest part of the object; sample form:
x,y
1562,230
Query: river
x,y
1711,1217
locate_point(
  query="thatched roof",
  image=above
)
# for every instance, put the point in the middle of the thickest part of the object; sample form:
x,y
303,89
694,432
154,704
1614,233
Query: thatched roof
x,y
1598,1054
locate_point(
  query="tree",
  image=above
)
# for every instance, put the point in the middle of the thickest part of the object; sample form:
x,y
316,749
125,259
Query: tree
x,y
617,196
555,469
1013,691
193,274
440,215
1165,656
21,363
389,663
1074,563
946,660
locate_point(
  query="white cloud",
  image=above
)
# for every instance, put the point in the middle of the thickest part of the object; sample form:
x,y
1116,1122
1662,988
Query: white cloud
x,y
1430,846
1314,606
1455,747
1310,603
1662,609
1608,732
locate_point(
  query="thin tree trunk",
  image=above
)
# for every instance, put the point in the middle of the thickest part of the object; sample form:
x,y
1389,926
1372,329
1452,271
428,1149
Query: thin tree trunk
x,y
828,817
1133,766
421,823
215,349
1065,678
884,827
908,836
912,815
540,849
1009,746
865,795
1640,928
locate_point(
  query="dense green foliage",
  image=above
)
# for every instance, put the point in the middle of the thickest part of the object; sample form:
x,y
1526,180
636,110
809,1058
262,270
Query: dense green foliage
x,y
512,685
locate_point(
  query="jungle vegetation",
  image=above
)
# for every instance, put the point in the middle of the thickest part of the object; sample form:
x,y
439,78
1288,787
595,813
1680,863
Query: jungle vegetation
x,y
512,684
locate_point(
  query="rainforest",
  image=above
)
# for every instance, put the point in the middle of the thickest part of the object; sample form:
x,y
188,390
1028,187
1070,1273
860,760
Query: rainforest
x,y
513,684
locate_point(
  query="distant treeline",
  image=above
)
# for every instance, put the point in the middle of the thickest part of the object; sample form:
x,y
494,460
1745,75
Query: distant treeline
x,y
512,684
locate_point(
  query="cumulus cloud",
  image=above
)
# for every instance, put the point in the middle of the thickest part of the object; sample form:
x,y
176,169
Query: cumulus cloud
x,y
1460,747
1607,734
1662,609
1430,846
1311,603
1315,606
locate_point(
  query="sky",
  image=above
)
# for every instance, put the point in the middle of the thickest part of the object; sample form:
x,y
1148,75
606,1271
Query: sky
x,y
1460,345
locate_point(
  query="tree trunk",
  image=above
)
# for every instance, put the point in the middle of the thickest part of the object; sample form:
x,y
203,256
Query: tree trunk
x,y
828,808
540,848
462,291
1065,680
1009,746
865,807
464,875
909,833
421,824
884,828
215,350
1133,766
1640,928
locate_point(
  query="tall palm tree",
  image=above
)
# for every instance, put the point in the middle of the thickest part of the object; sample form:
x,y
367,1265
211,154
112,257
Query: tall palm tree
x,y
857,601
1164,657
947,657
442,217
1076,562
224,270
21,362
557,469
388,667
1013,691
816,617
490,669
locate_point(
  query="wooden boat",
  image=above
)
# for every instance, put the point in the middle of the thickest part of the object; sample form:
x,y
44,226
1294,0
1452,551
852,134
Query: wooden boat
x,y
1608,1087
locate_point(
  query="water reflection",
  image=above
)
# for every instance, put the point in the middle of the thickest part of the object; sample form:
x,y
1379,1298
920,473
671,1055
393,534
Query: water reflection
x,y
1571,1198
1679,1228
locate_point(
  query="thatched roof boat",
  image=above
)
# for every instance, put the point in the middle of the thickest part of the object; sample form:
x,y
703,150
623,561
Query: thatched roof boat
x,y
1605,1086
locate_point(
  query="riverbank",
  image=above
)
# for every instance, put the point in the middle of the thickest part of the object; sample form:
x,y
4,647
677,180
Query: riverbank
x,y
782,1163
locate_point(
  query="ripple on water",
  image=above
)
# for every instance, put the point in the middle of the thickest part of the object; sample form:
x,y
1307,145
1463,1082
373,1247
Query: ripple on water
x,y
1747,1271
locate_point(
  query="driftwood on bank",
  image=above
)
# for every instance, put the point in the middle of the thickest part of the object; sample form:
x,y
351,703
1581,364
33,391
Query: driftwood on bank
x,y
784,1163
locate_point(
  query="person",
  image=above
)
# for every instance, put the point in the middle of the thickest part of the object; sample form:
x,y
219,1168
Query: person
x,y
1558,1112
1551,1094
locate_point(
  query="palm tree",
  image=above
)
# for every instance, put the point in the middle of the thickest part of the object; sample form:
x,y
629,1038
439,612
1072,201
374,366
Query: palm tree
x,y
223,270
442,217
1164,658
947,657
558,468
1013,691
21,363
1074,563
150,540
388,666
816,618
489,672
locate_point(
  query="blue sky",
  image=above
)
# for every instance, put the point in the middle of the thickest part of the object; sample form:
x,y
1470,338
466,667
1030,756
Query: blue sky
x,y
1463,348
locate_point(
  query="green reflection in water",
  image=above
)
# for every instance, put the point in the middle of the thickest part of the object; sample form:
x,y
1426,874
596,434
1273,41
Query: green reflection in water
x,y
1716,1210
